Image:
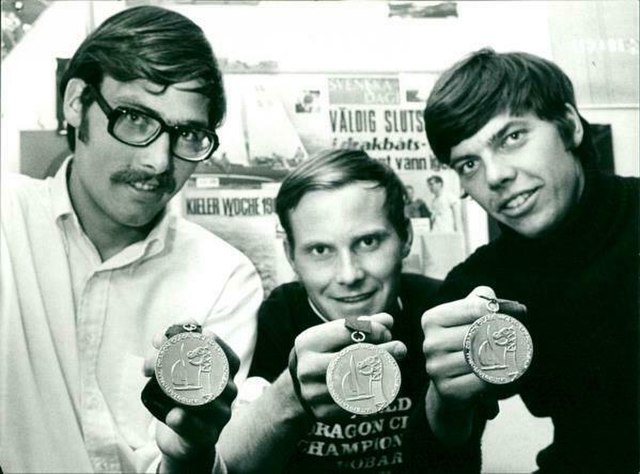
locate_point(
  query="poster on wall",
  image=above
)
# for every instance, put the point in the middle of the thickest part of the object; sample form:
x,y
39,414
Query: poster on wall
x,y
276,121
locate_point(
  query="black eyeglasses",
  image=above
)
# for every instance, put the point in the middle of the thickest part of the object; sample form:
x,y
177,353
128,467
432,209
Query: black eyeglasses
x,y
137,128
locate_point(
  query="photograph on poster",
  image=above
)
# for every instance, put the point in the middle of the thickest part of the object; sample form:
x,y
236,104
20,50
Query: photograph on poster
x,y
308,102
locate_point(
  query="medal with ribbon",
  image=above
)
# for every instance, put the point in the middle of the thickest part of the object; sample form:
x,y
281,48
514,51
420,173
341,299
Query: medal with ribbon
x,y
498,347
362,378
191,368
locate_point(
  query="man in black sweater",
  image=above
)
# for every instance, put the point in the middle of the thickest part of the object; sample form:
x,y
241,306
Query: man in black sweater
x,y
343,214
568,250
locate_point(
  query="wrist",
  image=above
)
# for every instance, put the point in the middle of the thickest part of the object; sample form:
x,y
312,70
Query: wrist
x,y
451,423
201,464
295,385
294,411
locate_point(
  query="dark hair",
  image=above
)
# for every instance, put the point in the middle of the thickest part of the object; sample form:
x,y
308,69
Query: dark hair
x,y
435,179
486,84
152,43
333,169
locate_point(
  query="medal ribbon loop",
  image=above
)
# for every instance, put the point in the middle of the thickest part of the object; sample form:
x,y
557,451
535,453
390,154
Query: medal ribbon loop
x,y
176,329
360,328
493,306
510,307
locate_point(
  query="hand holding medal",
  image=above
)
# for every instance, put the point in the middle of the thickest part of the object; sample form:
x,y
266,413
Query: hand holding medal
x,y
332,378
191,391
191,370
498,347
470,346
363,378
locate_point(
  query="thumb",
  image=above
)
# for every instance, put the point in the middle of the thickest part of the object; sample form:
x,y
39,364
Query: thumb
x,y
397,349
483,291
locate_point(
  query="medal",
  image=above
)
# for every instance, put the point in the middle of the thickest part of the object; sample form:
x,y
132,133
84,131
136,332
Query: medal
x,y
191,368
497,347
362,378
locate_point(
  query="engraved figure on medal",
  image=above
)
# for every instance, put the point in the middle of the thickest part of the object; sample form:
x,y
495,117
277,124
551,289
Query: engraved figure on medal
x,y
498,347
362,378
192,368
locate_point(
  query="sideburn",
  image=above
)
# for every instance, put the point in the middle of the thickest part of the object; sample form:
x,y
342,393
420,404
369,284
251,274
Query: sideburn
x,y
86,99
83,129
566,129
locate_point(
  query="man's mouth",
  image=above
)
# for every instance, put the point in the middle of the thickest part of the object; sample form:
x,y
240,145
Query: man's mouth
x,y
518,203
351,299
151,185
145,182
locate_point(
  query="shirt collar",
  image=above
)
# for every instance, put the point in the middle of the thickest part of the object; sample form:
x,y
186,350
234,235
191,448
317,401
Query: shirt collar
x,y
326,320
60,199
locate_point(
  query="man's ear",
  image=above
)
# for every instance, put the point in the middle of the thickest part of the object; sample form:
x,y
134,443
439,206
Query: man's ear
x,y
578,130
72,104
406,245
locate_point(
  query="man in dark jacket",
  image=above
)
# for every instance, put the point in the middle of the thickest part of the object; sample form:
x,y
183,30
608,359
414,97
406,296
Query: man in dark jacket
x,y
509,126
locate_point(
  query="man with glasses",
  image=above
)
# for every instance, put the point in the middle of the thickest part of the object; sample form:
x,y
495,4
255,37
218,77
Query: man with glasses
x,y
140,129
94,264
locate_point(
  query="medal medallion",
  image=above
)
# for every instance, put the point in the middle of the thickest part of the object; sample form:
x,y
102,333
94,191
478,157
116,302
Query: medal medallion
x,y
192,368
362,378
497,347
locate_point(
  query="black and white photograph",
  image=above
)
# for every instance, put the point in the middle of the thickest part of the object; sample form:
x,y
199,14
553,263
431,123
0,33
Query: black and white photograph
x,y
320,236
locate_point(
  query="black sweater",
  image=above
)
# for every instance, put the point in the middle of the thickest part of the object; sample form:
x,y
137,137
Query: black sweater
x,y
349,445
580,286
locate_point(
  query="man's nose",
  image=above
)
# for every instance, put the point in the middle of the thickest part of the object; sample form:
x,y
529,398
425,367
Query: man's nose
x,y
349,271
156,157
498,171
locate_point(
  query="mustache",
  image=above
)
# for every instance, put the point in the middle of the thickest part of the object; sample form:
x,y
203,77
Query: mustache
x,y
166,181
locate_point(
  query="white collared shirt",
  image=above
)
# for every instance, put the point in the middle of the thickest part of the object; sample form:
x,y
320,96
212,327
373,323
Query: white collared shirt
x,y
74,330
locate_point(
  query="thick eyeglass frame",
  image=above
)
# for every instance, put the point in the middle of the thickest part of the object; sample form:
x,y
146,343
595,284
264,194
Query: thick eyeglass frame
x,y
174,131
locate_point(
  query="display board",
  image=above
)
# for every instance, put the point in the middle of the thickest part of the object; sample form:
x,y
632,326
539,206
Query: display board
x,y
277,121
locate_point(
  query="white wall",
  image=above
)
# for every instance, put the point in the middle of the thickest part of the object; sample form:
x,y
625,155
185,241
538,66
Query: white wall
x,y
28,100
28,75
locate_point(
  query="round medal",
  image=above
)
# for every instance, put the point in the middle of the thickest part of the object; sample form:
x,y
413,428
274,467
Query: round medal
x,y
192,368
498,348
363,379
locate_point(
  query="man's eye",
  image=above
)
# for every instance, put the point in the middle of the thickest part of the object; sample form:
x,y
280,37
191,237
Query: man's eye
x,y
189,135
513,139
466,167
369,243
319,250
134,118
